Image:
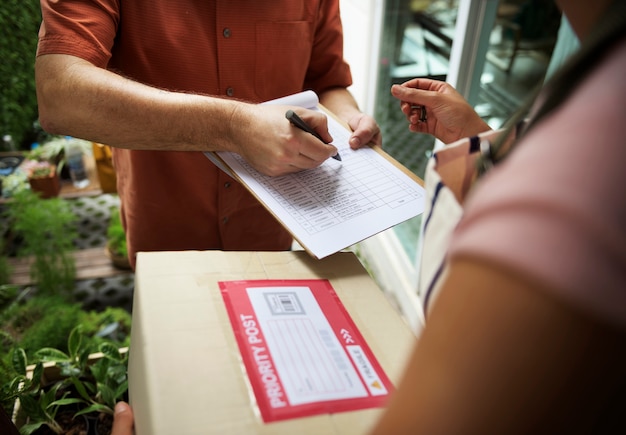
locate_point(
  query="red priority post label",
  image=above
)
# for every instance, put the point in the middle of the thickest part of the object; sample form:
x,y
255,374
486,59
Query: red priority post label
x,y
302,352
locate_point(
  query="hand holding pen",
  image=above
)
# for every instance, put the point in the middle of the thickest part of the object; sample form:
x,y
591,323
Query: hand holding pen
x,y
295,120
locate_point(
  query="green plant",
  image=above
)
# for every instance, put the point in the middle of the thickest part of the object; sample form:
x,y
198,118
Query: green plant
x,y
20,21
51,320
116,236
48,233
38,169
5,269
55,150
8,293
41,406
33,323
112,325
108,383
93,383
99,384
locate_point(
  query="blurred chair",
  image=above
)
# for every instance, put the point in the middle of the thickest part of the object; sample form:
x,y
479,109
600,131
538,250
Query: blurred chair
x,y
531,26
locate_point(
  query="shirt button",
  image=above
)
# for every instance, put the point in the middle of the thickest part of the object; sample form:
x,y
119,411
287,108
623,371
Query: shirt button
x,y
225,220
227,184
226,32
230,91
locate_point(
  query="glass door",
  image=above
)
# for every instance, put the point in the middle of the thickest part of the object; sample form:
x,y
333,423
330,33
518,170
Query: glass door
x,y
493,52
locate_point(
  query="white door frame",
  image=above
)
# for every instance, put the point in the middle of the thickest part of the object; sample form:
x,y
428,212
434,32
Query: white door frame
x,y
383,254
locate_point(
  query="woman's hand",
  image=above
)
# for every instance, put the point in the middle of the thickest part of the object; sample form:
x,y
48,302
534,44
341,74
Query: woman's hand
x,y
448,116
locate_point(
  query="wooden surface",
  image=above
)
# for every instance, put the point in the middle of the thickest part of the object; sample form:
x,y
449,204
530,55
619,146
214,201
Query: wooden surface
x,y
90,263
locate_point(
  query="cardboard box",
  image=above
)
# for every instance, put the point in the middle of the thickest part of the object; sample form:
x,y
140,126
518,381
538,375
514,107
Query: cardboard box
x,y
185,370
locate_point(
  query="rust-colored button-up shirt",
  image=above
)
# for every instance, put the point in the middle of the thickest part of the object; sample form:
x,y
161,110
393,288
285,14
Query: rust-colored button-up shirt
x,y
244,49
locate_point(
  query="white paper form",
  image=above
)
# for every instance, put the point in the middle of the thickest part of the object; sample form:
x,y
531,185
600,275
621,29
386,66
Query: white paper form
x,y
337,204
308,356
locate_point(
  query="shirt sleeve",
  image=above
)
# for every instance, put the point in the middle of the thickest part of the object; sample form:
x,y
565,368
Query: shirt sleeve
x,y
84,29
327,68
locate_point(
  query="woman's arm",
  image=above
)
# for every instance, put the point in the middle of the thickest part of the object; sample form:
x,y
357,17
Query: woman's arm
x,y
500,355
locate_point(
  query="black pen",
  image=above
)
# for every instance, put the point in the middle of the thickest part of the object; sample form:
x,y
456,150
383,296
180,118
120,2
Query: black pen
x,y
298,122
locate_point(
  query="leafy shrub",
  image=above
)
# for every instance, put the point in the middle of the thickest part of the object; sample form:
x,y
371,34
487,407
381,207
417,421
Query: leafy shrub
x,y
5,270
116,235
111,325
44,322
46,227
53,328
94,386
40,322
20,21
33,323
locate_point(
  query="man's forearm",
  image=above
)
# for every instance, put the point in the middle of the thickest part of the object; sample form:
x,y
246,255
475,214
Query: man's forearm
x,y
340,102
78,99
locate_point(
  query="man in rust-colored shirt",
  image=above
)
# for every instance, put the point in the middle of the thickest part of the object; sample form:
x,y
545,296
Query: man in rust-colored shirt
x,y
163,81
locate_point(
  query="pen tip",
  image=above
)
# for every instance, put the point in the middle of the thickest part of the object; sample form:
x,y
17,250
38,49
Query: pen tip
x,y
337,157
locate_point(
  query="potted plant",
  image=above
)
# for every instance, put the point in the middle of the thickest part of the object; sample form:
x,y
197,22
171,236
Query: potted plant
x,y
56,151
116,248
77,382
38,407
42,177
33,323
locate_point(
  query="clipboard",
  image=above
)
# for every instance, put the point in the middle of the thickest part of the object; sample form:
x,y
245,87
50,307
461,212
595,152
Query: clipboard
x,y
338,204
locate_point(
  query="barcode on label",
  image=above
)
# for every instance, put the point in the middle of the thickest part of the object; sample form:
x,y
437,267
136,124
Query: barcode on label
x,y
284,303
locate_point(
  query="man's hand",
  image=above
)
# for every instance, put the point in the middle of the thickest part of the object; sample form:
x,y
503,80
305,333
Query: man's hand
x,y
365,131
448,116
273,146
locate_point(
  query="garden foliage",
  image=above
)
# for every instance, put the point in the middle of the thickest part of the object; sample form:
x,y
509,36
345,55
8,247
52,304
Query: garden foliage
x,y
19,21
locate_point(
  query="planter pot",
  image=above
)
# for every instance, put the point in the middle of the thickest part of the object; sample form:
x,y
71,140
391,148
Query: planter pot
x,y
119,261
47,187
